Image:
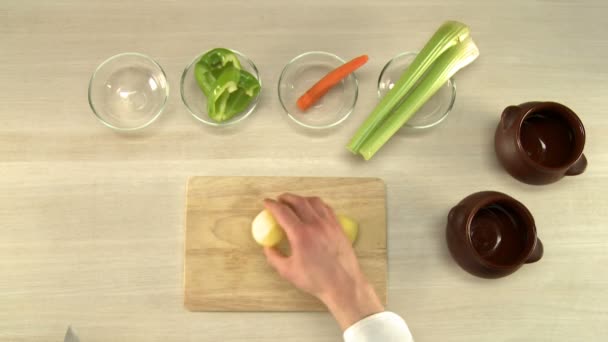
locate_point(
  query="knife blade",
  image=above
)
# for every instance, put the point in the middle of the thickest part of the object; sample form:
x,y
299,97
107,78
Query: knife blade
x,y
70,336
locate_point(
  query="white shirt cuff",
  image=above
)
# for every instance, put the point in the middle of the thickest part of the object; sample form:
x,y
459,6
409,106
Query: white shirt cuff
x,y
384,326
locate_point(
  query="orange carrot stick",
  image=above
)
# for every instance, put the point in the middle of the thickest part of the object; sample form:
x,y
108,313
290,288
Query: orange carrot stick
x,y
328,81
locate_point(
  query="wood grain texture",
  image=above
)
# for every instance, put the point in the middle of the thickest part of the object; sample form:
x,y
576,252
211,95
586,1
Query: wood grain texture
x,y
225,269
91,222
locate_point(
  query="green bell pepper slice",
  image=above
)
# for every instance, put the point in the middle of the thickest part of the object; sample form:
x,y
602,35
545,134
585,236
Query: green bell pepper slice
x,y
209,67
204,78
249,84
218,99
220,58
232,94
248,88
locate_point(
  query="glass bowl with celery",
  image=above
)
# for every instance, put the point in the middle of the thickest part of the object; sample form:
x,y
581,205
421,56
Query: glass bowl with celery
x,y
435,109
450,49
221,87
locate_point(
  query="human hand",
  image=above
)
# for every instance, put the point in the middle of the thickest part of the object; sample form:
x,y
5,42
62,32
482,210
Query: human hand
x,y
322,261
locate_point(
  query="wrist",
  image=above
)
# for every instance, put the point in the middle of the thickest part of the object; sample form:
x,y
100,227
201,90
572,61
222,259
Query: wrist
x,y
352,302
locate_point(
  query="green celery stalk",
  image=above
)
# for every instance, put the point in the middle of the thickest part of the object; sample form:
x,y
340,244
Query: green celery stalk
x,y
452,60
448,35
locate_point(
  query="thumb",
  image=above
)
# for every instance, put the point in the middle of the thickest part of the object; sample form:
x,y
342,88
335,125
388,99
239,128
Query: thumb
x,y
277,260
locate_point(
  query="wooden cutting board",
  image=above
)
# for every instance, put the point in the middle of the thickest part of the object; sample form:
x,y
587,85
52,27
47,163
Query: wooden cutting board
x,y
225,270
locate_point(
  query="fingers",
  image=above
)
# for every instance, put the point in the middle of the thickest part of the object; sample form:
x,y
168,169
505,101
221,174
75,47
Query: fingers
x,y
285,216
300,206
277,260
331,214
318,205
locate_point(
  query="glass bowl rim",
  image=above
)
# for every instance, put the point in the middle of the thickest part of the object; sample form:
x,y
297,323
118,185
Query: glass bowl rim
x,y
111,59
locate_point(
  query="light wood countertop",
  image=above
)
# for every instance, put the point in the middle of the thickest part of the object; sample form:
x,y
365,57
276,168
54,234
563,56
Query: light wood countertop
x,y
92,221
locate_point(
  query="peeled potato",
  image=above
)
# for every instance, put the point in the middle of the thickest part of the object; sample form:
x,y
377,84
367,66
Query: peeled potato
x,y
268,233
265,229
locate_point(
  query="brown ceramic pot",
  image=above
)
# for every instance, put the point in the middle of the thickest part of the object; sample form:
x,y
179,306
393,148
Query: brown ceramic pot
x,y
540,142
491,235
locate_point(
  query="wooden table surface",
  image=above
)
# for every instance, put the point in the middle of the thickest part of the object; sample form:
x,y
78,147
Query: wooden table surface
x,y
92,221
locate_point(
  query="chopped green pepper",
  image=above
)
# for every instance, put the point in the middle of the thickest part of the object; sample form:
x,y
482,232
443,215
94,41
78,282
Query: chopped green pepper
x,y
226,83
218,110
249,84
219,58
204,77
248,89
210,66
228,88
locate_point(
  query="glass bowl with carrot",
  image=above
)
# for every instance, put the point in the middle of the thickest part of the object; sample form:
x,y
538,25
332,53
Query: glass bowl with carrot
x,y
318,89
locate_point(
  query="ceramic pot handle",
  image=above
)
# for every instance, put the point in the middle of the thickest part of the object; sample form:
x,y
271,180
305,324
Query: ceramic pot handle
x,y
537,253
456,214
509,116
579,166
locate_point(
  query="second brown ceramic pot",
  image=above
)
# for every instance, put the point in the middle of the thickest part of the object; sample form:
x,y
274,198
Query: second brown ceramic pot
x,y
540,142
492,235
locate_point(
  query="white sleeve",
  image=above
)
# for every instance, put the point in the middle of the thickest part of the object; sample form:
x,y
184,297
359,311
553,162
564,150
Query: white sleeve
x,y
384,326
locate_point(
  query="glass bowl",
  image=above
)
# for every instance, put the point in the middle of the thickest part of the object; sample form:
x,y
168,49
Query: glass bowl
x,y
128,91
303,72
435,110
196,101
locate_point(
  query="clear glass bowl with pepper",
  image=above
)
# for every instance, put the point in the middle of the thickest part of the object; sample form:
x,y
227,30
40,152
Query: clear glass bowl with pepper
x,y
221,87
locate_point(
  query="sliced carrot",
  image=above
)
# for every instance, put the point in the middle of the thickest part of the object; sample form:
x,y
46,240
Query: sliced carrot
x,y
328,81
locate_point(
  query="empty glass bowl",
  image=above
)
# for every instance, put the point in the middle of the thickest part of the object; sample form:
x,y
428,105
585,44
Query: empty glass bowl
x,y
196,101
128,91
303,72
435,110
